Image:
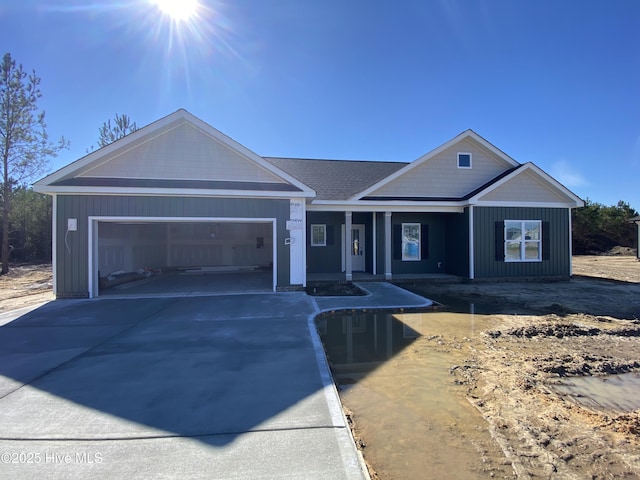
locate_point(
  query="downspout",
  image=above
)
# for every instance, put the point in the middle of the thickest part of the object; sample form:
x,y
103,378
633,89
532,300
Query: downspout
x,y
472,262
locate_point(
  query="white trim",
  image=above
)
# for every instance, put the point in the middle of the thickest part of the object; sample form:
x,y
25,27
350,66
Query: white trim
x,y
159,127
324,241
54,243
170,192
374,243
472,258
570,243
274,236
393,206
521,204
92,239
576,201
304,245
522,242
348,260
387,246
412,224
343,268
363,244
139,219
470,160
428,156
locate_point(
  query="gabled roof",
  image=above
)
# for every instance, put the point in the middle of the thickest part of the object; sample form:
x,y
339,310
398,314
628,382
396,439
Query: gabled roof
x,y
182,155
177,154
407,169
336,179
445,199
561,194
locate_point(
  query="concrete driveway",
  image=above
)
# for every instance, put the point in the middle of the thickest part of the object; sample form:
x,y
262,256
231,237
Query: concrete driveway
x,y
202,387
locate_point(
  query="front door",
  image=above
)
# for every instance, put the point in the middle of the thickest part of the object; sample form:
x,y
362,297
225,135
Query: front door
x,y
357,248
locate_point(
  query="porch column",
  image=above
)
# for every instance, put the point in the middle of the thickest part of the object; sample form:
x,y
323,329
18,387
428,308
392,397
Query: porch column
x,y
387,245
348,259
472,234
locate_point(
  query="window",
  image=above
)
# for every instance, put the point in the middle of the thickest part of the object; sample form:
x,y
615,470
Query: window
x,y
318,235
522,240
410,242
464,160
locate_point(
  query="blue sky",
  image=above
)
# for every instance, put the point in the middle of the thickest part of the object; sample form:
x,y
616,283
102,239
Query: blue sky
x,y
556,83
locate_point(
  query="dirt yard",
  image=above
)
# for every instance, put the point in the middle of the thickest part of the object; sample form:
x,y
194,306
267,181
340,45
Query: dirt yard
x,y
24,286
543,334
540,334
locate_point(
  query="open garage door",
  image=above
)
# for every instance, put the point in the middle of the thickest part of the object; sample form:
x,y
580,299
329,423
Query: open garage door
x,y
187,256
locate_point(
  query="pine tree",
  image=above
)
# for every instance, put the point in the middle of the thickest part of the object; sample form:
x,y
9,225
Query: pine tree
x,y
24,144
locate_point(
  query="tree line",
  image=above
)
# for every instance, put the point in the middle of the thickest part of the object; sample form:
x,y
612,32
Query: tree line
x,y
598,228
25,150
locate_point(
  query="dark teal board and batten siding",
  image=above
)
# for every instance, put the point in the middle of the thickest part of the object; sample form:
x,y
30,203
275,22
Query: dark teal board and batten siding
x,y
457,244
72,254
327,258
432,258
556,255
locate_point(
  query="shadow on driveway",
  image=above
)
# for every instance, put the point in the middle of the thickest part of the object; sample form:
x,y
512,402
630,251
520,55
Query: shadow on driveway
x,y
208,368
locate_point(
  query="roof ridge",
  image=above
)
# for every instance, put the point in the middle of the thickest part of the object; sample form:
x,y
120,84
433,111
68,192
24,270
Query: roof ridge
x,y
305,159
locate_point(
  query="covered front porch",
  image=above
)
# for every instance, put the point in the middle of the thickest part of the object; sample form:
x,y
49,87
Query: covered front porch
x,y
369,277
413,243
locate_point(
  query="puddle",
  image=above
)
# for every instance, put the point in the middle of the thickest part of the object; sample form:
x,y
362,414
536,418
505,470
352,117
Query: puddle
x,y
402,375
620,392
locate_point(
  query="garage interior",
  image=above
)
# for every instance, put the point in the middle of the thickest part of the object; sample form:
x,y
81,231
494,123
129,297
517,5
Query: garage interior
x,y
186,256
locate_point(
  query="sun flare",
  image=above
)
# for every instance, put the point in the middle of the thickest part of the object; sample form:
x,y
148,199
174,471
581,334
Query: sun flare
x,y
178,10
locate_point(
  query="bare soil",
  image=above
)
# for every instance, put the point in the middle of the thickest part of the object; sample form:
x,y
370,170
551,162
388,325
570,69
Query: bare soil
x,y
25,285
542,333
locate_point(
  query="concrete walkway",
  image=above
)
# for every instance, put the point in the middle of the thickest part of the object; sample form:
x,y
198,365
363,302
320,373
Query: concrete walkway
x,y
233,386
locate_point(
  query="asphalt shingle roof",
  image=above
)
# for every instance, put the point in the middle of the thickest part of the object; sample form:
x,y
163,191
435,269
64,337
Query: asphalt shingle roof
x,y
336,179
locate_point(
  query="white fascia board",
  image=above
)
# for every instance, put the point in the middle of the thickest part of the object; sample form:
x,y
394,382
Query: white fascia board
x,y
520,204
130,139
142,219
491,147
427,156
576,201
241,149
393,206
156,192
174,120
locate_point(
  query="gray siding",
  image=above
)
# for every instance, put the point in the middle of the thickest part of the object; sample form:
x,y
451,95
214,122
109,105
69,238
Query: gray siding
x,y
327,259
72,257
556,255
457,246
436,243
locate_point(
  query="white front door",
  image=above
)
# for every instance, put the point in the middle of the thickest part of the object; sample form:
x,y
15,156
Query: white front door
x,y
357,248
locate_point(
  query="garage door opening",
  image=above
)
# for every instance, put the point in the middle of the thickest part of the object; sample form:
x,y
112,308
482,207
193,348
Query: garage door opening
x,y
164,256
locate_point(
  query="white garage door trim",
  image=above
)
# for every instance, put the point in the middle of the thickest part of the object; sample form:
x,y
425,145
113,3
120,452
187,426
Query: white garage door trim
x,y
93,238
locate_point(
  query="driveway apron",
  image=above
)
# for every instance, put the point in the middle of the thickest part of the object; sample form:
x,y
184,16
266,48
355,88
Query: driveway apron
x,y
201,387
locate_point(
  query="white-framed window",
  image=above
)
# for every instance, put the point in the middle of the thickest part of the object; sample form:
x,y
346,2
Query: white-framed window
x,y
411,242
464,160
318,235
522,240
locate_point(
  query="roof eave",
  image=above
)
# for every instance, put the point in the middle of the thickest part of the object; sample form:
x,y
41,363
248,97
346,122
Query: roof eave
x,y
575,201
178,117
427,156
197,192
